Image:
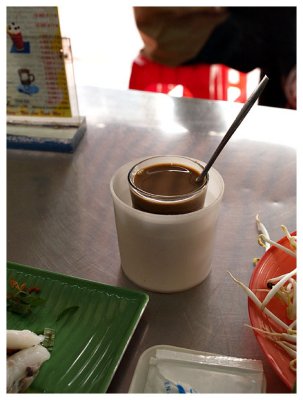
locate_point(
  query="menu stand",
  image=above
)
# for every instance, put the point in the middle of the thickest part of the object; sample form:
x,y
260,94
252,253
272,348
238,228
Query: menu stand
x,y
50,129
51,134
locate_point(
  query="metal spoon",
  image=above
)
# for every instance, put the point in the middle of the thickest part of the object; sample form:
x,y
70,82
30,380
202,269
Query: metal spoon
x,y
242,114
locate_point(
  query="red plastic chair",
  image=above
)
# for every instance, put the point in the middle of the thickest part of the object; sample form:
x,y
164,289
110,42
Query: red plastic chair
x,y
204,81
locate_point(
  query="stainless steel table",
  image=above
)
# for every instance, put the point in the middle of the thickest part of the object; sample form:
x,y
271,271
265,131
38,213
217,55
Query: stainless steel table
x,y
60,215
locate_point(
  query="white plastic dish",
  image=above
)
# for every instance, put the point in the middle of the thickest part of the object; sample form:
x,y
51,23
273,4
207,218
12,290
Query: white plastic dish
x,y
170,369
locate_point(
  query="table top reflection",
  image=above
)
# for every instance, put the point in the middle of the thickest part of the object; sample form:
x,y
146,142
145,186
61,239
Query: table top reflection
x,y
60,215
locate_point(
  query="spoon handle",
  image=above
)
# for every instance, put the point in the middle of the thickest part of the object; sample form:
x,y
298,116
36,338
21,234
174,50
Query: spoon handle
x,y
242,114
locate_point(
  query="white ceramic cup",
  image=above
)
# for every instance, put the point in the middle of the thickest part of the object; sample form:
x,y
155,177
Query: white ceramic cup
x,y
165,253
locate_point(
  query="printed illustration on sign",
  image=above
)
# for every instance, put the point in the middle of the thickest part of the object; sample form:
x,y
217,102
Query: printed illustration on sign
x,y
37,82
26,80
18,45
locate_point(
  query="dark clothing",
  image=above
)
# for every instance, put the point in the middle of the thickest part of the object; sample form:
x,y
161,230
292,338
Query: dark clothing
x,y
243,38
255,37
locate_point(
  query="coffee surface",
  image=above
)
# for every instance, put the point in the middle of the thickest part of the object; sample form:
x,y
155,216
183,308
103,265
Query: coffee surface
x,y
167,179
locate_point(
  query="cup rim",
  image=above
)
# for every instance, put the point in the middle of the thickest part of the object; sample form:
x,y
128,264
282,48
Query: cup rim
x,y
167,198
163,217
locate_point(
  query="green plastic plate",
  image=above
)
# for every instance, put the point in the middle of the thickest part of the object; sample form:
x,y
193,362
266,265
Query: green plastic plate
x,y
90,341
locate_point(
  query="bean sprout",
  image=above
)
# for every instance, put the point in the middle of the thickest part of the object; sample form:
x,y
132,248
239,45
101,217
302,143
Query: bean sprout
x,y
263,230
291,337
263,238
284,287
258,303
277,287
292,239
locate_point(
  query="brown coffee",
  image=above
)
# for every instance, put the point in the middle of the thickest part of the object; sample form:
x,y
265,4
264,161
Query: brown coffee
x,y
168,189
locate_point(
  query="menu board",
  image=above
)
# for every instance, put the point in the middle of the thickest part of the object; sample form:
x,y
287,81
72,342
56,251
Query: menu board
x,y
36,76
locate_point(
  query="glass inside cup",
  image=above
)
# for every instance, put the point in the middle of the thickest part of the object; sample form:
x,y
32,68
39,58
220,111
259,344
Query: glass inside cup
x,y
167,185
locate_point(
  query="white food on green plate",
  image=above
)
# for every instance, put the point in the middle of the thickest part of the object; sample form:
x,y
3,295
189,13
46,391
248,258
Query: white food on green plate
x,y
23,367
26,354
18,340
